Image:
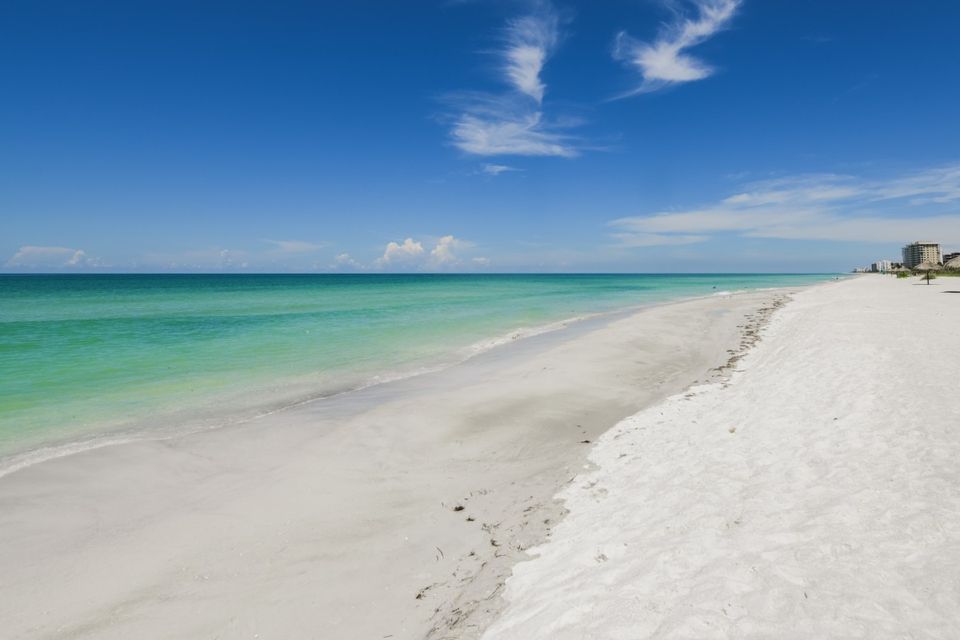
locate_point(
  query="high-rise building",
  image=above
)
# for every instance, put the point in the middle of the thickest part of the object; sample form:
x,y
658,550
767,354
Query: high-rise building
x,y
919,252
881,266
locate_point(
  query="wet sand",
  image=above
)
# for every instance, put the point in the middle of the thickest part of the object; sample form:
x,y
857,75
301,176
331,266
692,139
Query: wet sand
x,y
395,511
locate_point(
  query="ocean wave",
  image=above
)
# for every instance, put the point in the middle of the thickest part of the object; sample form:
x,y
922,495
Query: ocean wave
x,y
519,334
312,392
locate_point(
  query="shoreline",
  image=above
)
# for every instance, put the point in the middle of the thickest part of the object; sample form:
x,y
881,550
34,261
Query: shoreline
x,y
374,477
811,494
201,418
131,431
452,620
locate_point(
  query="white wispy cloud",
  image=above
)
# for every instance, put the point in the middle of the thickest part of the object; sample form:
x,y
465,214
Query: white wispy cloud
x,y
497,169
924,204
530,40
503,129
935,186
639,239
345,262
665,61
295,246
35,257
513,123
79,258
206,259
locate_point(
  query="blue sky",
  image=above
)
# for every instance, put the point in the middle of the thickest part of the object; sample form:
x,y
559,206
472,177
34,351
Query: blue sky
x,y
476,135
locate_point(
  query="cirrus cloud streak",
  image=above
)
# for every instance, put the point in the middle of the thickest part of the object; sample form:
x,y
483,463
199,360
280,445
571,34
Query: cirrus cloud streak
x,y
830,207
665,61
514,122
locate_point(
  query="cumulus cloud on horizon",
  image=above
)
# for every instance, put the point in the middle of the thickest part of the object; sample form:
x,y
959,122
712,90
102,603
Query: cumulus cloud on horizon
x,y
38,257
447,253
342,262
444,253
401,252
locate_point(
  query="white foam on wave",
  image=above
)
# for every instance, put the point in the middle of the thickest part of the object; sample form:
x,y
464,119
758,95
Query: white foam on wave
x,y
19,461
519,334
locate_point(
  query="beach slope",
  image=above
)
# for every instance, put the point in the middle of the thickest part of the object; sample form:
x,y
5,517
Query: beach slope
x,y
393,511
816,494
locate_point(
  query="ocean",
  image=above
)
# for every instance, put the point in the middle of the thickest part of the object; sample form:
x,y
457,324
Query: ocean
x,y
89,358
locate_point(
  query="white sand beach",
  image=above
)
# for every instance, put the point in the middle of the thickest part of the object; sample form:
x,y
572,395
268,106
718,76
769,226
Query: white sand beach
x,y
386,512
814,492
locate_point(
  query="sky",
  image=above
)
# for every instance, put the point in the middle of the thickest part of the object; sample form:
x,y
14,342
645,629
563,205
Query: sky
x,y
476,135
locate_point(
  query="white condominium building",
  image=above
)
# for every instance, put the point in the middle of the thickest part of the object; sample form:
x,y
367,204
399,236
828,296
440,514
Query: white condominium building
x,y
919,252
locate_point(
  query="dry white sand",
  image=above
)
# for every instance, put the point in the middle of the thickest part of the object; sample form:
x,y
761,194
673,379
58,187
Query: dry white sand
x,y
814,495
396,511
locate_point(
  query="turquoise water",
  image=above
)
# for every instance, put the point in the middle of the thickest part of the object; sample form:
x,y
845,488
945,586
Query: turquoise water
x,y
82,355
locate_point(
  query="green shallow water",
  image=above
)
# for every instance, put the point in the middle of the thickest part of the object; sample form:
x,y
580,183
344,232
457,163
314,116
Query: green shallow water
x,y
82,355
